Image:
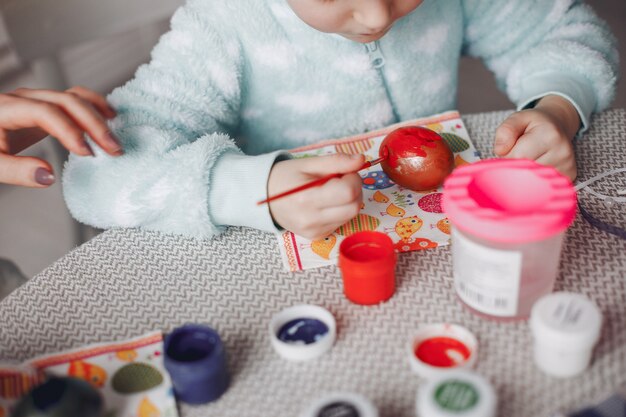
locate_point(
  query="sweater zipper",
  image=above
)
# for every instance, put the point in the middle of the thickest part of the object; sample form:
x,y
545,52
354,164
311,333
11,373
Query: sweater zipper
x,y
377,59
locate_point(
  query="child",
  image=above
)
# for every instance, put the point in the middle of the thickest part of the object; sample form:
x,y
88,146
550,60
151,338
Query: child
x,y
27,116
264,75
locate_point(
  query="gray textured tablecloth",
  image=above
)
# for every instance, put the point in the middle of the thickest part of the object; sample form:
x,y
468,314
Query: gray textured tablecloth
x,y
127,282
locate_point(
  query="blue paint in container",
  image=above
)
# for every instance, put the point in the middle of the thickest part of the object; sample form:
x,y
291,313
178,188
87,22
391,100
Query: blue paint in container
x,y
302,331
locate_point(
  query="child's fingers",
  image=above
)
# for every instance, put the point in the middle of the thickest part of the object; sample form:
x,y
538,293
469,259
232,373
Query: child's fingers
x,y
25,113
563,160
83,114
528,147
25,171
95,99
336,216
330,164
509,132
339,191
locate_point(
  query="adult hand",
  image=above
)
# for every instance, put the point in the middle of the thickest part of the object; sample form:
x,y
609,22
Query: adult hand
x,y
316,212
27,116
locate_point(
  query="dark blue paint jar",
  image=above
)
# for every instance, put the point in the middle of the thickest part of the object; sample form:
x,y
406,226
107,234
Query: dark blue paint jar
x,y
196,361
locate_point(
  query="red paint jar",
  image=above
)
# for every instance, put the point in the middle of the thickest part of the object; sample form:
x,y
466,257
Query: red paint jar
x,y
367,262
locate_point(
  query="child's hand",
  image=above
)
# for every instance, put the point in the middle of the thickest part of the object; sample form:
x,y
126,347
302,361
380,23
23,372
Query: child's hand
x,y
318,211
27,116
543,134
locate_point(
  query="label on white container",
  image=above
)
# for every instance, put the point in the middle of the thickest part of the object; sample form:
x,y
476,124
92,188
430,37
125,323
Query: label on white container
x,y
570,315
486,279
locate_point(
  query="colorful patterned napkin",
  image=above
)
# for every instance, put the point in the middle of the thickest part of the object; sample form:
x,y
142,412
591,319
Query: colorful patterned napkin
x,y
130,376
387,207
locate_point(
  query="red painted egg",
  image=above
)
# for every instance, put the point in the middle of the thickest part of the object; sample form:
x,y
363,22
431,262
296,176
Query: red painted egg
x,y
416,158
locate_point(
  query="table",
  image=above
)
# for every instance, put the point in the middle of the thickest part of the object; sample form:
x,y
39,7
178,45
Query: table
x,y
124,283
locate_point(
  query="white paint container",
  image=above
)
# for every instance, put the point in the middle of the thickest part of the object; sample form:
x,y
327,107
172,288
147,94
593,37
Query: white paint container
x,y
565,327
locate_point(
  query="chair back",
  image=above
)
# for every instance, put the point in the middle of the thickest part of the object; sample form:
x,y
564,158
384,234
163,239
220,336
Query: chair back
x,y
41,28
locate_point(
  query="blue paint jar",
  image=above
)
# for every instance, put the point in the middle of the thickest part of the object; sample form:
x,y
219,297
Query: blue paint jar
x,y
196,361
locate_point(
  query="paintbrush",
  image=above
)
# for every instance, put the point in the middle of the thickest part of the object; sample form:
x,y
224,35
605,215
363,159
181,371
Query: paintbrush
x,y
319,181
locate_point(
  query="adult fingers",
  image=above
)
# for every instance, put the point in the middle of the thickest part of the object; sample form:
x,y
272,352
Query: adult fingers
x,y
95,99
23,113
18,140
25,171
509,132
82,112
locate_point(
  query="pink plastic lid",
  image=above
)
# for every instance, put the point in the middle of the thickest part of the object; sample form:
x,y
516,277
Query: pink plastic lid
x,y
509,200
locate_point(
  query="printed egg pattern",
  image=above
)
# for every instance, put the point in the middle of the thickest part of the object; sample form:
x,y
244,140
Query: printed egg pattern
x,y
431,203
353,148
455,143
376,180
360,223
136,377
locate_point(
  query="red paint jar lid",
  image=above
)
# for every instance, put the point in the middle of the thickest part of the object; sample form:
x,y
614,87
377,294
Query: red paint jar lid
x,y
441,348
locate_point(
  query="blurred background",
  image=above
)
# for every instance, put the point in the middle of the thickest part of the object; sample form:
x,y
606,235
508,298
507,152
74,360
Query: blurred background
x,y
99,44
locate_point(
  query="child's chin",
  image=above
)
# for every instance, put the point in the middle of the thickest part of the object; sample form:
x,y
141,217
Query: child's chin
x,y
364,38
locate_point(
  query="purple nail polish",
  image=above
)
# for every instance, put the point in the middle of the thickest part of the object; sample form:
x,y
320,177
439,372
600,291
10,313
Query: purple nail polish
x,y
44,177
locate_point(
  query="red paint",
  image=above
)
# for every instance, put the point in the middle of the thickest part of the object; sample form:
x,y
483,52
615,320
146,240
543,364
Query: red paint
x,y
366,252
436,352
408,142
416,158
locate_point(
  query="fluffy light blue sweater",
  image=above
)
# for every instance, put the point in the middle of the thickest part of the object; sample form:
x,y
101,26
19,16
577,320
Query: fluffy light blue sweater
x,y
235,81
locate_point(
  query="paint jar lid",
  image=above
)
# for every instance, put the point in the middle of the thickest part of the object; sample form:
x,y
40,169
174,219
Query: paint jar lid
x,y
478,199
302,332
566,320
344,404
459,393
442,348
